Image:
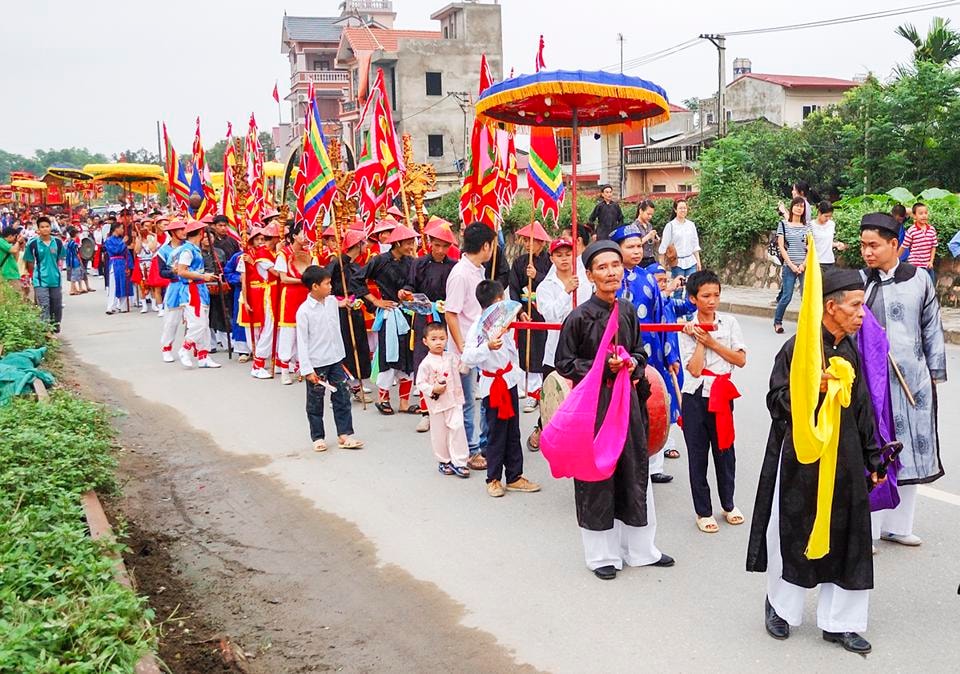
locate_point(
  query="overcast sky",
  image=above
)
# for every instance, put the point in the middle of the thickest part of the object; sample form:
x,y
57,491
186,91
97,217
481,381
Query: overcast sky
x,y
99,74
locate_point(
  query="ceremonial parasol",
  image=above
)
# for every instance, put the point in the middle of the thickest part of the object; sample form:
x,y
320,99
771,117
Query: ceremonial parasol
x,y
273,169
28,185
570,100
67,173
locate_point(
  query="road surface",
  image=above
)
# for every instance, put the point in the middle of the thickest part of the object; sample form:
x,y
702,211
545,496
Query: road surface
x,y
515,564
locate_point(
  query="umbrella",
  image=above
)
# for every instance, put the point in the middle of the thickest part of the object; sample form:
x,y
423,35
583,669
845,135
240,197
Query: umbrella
x,y
28,185
122,172
273,169
573,100
67,173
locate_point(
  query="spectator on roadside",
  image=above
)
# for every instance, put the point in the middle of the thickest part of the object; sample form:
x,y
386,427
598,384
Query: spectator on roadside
x,y
42,257
606,215
648,235
824,231
680,244
921,240
11,243
899,213
799,189
792,241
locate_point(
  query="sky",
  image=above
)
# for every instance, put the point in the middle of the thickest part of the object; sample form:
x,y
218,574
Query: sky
x,y
100,74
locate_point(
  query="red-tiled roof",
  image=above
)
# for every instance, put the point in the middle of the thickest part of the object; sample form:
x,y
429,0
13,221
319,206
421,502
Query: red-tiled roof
x,y
801,81
371,39
677,108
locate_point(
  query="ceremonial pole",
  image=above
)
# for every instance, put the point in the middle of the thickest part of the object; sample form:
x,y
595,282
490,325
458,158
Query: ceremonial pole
x,y
241,187
281,240
346,296
223,307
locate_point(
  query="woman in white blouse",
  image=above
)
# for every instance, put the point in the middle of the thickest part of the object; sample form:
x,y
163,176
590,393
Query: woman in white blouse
x,y
682,235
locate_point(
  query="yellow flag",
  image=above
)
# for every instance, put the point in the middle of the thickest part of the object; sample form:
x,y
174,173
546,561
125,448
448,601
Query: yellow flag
x,y
816,434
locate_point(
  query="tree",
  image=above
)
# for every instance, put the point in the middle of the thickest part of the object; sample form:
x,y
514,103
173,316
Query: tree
x,y
214,155
141,156
941,45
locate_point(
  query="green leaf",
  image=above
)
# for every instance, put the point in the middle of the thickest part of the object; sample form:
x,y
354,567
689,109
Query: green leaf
x,y
902,195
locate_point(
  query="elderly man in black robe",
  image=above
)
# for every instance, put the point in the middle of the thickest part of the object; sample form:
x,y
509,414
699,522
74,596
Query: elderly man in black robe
x,y
617,516
786,505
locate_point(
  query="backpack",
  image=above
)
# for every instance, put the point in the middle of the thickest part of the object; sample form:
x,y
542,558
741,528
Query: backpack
x,y
773,248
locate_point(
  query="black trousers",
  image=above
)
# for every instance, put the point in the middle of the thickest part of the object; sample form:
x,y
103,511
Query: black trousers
x,y
503,442
700,436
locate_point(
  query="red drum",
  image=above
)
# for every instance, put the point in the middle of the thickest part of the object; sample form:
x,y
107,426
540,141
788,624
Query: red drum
x,y
658,411
214,287
555,389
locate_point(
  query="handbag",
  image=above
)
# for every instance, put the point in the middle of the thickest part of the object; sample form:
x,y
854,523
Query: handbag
x,y
773,248
568,441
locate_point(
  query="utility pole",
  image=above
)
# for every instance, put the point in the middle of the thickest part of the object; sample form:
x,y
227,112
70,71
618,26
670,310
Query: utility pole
x,y
720,42
620,149
463,100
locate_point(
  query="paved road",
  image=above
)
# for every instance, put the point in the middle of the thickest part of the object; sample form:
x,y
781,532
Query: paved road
x,y
516,563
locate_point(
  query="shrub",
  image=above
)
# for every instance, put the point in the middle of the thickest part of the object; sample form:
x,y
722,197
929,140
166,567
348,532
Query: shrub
x,y
20,323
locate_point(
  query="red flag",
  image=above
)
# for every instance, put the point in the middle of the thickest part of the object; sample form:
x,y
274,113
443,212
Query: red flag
x,y
228,200
256,199
539,63
209,204
479,194
276,94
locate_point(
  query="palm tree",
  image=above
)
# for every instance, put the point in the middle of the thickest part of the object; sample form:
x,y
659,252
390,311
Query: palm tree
x,y
941,45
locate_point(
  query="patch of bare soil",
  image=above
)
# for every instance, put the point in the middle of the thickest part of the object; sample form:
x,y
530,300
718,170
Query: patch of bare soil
x,y
248,577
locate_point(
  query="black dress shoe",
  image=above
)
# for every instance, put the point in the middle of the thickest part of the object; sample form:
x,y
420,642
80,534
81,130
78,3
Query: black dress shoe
x,y
661,478
851,641
605,572
777,627
665,560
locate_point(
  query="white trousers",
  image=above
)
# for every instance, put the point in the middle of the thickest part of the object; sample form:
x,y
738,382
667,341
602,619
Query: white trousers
x,y
114,303
171,322
387,378
287,345
264,348
900,519
198,328
534,381
623,544
658,459
838,610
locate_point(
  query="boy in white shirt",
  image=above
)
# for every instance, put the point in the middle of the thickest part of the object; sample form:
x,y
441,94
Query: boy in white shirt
x,y
709,359
321,354
500,374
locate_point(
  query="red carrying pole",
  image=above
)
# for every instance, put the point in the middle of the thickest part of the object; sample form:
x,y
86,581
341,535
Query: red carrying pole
x,y
644,327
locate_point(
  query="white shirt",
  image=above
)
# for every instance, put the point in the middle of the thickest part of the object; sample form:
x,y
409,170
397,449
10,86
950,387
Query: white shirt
x,y
683,236
319,342
823,237
554,303
727,333
462,295
482,357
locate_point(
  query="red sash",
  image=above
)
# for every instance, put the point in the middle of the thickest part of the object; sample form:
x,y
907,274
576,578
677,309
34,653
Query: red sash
x,y
500,398
722,393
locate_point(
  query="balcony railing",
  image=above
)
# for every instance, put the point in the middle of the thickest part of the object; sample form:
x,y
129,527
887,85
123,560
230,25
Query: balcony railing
x,y
361,5
337,78
678,154
347,107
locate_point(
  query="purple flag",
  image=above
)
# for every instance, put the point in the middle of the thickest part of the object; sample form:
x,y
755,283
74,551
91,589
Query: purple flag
x,y
874,347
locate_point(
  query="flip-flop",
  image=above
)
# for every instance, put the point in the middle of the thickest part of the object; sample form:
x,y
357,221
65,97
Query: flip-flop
x,y
385,409
734,517
672,454
708,525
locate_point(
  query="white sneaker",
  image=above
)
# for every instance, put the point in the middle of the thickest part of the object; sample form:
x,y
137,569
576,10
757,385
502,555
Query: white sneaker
x,y
911,540
285,378
424,425
158,308
531,405
208,362
260,373
186,357
160,312
168,357
145,307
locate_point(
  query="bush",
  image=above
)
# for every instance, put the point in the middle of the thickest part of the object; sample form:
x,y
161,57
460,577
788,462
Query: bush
x,y
20,323
60,607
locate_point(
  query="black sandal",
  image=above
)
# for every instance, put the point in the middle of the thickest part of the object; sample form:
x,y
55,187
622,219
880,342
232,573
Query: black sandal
x,y
672,454
413,409
777,328
385,409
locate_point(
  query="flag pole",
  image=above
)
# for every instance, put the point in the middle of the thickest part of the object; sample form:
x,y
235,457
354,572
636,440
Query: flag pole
x,y
346,296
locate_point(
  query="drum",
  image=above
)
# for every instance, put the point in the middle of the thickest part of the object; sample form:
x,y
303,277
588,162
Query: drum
x,y
555,389
214,288
87,249
658,411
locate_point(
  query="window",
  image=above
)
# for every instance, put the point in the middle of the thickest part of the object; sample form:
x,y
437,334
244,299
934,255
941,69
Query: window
x,y
659,188
566,151
807,109
684,188
446,34
434,145
709,118
434,84
321,64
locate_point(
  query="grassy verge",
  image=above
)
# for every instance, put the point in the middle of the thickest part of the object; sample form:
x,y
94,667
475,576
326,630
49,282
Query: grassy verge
x,y
60,608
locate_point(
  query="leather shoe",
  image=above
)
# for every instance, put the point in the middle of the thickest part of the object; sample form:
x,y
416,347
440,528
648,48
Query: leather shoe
x,y
777,627
661,478
665,560
605,572
850,641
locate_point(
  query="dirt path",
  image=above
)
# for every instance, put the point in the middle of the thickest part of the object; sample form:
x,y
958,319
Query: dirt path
x,y
227,551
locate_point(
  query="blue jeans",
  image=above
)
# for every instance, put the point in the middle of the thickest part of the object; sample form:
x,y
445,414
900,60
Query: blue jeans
x,y
681,271
789,280
469,383
340,401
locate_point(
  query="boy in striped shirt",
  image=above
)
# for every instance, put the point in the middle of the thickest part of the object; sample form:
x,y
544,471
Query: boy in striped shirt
x,y
921,240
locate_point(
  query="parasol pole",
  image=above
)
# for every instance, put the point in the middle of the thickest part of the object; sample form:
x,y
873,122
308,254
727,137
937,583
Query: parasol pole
x,y
526,369
346,296
223,305
281,242
574,147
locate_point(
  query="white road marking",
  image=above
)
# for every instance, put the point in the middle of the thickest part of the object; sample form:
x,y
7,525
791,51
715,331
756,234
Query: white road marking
x,y
938,494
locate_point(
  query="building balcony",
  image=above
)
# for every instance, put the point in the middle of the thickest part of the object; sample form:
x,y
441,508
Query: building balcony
x,y
348,6
348,107
330,79
678,155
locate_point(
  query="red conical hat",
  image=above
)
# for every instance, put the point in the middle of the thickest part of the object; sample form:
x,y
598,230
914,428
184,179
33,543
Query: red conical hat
x,y
385,225
537,230
329,231
194,225
440,229
352,238
401,233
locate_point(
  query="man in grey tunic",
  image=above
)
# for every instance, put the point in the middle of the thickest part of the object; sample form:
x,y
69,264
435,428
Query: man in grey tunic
x,y
905,303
